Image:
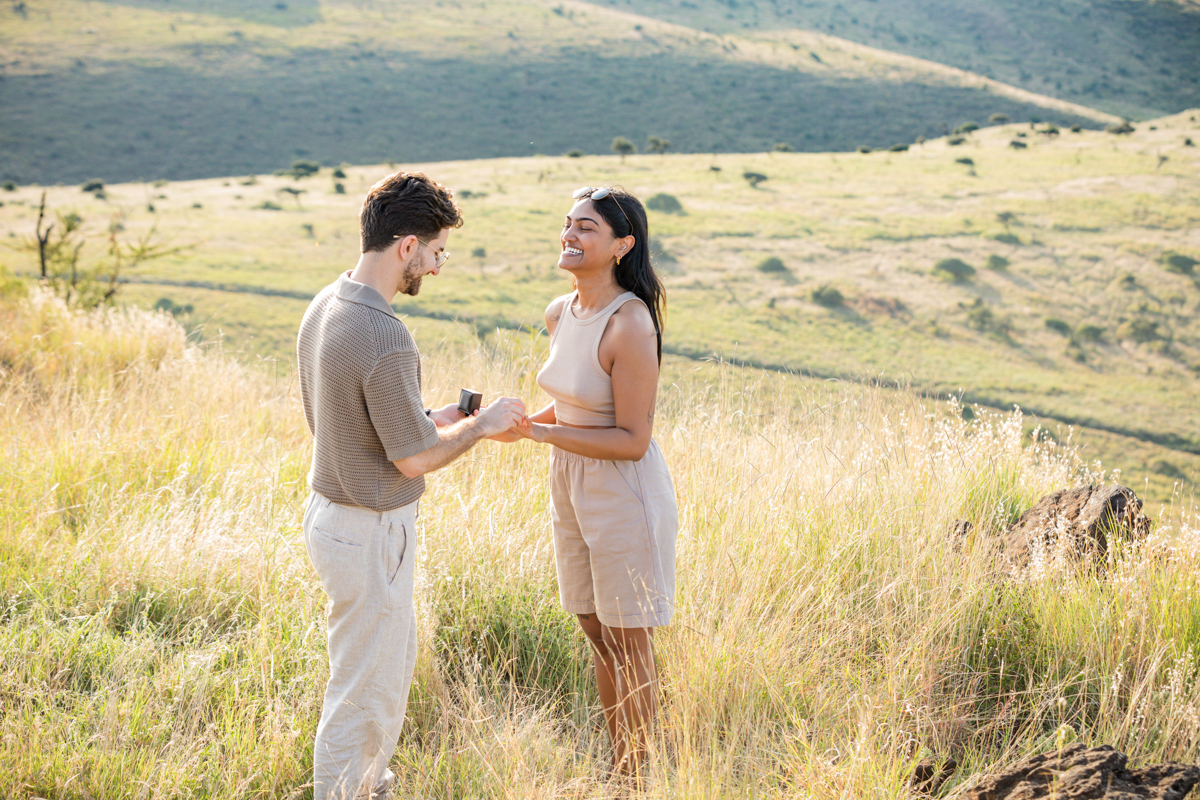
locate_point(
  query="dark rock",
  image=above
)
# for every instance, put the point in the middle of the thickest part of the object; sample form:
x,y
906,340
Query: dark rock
x,y
1078,772
1076,523
930,773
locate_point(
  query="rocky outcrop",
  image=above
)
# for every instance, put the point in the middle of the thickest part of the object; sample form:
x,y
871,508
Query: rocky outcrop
x,y
1075,525
1078,772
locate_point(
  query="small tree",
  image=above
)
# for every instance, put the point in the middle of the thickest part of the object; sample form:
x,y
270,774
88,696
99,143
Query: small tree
x,y
655,144
623,147
954,268
666,203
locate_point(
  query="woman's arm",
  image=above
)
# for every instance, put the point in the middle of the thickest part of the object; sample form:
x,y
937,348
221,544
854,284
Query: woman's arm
x,y
631,343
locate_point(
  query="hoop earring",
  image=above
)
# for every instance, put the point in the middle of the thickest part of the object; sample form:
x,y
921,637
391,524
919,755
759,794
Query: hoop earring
x,y
618,261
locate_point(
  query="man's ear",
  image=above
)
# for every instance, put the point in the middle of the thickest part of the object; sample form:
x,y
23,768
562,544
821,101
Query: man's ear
x,y
405,247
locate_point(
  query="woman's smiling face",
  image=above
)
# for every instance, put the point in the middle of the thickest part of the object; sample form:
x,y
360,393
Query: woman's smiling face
x,y
587,240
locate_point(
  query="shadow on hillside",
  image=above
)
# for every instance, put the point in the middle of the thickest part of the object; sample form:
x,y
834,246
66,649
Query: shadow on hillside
x,y
133,122
284,13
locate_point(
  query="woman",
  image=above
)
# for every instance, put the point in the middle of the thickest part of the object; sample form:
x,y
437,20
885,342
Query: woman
x,y
612,501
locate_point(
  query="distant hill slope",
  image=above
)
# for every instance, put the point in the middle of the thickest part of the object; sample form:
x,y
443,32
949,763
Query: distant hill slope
x,y
146,89
1135,58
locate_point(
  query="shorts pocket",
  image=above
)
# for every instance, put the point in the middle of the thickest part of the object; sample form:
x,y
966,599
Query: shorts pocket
x,y
611,516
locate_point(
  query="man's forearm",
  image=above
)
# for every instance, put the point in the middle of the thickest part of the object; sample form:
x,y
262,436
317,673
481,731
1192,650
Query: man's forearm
x,y
452,442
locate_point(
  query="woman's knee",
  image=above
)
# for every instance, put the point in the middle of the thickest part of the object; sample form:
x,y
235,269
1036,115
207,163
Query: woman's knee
x,y
594,631
629,643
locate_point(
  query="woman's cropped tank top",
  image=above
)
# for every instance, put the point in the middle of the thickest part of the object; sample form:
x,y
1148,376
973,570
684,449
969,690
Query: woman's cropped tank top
x,y
572,375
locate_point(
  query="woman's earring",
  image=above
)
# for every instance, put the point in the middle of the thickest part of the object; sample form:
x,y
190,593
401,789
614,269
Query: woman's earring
x,y
618,261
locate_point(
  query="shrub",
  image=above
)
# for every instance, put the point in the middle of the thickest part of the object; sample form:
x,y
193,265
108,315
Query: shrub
x,y
827,296
1050,130
1123,128
954,268
1058,326
267,205
772,265
623,147
970,162
479,252
656,144
862,148
1140,330
9,186
1179,263
300,169
1076,128
966,127
93,186
898,148
980,317
996,262
666,203
998,119
783,147
1017,144
339,173
754,178
574,153
955,140
339,188
1007,238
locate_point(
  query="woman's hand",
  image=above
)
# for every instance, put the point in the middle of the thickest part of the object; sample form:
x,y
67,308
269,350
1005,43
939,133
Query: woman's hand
x,y
534,431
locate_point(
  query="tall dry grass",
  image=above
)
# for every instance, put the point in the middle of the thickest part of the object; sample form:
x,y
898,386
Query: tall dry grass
x,y
162,632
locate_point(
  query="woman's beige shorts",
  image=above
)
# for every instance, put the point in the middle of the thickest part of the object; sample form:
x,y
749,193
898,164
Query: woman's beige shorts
x,y
614,537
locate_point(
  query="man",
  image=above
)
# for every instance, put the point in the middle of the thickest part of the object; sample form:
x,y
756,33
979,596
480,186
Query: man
x,y
373,442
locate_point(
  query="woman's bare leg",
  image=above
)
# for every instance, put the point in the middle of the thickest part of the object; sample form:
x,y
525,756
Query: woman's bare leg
x,y
606,671
632,650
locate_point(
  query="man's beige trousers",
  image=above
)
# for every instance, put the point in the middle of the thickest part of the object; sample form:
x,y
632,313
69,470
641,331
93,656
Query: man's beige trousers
x,y
365,561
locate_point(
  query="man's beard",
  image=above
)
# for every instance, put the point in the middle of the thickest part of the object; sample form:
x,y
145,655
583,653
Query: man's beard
x,y
410,281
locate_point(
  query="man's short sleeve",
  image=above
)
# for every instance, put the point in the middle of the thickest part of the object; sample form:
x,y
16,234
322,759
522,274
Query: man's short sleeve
x,y
393,395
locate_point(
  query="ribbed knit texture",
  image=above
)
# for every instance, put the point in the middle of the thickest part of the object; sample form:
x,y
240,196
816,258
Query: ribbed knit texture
x,y
572,375
360,385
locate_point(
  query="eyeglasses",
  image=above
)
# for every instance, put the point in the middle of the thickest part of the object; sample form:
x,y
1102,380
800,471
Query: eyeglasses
x,y
441,257
599,193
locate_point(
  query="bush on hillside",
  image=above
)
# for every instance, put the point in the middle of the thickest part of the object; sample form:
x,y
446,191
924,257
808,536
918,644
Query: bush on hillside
x,y
980,317
1017,144
953,268
827,296
996,262
1123,128
1058,326
1090,333
93,186
1007,238
339,188
754,178
898,148
575,153
666,203
783,147
1179,263
970,162
954,141
9,186
300,169
623,147
862,148
966,127
1140,330
339,174
773,265
998,119
1076,128
656,144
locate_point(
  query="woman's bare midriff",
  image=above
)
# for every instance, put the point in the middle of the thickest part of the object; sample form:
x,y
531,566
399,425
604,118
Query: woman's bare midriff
x,y
587,427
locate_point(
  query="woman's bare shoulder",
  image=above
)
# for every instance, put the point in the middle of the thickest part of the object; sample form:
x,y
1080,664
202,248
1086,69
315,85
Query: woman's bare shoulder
x,y
555,309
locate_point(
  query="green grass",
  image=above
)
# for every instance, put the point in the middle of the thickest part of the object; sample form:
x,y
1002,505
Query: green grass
x,y
1131,58
163,630
218,91
1093,214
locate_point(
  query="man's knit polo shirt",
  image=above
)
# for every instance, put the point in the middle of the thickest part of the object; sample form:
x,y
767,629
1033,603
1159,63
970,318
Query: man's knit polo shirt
x,y
360,383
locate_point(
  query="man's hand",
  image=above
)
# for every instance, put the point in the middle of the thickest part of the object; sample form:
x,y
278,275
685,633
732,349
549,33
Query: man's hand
x,y
500,416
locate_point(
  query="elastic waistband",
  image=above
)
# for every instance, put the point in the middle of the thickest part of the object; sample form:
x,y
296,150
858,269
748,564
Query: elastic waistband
x,y
557,453
368,513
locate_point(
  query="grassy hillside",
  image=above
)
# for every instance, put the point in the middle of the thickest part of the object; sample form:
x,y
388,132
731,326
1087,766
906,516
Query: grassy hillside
x,y
1073,310
159,89
1130,57
163,631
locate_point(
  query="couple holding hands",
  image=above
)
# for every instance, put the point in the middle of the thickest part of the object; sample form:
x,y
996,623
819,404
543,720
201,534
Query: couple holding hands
x,y
612,501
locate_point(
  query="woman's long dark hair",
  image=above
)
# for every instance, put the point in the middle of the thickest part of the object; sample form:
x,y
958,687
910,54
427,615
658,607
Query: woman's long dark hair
x,y
626,215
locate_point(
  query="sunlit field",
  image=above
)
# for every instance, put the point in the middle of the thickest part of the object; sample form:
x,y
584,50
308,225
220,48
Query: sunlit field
x,y
163,636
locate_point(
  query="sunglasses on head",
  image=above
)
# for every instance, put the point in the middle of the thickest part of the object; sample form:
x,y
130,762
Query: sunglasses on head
x,y
599,193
